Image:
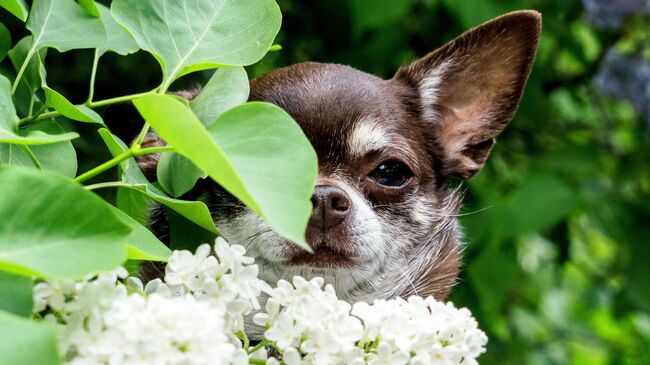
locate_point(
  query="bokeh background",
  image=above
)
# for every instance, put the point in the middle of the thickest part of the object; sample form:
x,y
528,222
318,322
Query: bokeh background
x,y
557,264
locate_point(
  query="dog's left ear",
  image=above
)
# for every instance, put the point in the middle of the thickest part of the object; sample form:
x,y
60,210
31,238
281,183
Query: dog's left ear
x,y
470,88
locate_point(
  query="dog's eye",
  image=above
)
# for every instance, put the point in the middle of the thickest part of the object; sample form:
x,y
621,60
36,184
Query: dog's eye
x,y
391,173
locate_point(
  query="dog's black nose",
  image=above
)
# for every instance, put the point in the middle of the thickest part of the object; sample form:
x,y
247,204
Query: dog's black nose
x,y
331,206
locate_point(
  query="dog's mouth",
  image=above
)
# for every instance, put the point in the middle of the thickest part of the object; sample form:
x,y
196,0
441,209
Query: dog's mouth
x,y
323,258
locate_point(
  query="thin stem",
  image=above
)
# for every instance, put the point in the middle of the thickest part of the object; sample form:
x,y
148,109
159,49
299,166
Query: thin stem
x,y
32,156
257,361
150,150
95,104
142,135
246,342
108,184
258,346
93,74
119,99
105,166
32,99
131,152
23,67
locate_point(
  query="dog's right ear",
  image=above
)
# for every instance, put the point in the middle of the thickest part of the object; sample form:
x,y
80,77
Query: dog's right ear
x,y
468,90
124,121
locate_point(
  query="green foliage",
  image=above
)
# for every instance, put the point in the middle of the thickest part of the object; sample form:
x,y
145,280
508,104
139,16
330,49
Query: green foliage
x,y
51,225
186,38
84,240
30,343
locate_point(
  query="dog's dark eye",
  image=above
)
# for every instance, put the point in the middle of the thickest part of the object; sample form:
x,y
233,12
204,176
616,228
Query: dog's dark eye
x,y
391,173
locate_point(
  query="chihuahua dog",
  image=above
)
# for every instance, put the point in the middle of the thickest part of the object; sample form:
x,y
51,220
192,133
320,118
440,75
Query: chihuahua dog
x,y
384,221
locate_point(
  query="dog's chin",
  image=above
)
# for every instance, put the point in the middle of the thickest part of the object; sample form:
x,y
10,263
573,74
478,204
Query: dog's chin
x,y
323,258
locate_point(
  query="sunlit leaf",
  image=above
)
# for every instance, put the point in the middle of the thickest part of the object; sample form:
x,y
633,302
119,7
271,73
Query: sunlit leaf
x,y
16,7
255,151
41,235
227,88
64,25
187,36
90,7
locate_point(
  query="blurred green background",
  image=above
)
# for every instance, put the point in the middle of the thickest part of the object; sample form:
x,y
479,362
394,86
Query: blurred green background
x,y
557,264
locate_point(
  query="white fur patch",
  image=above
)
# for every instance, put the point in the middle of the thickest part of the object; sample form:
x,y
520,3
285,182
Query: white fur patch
x,y
368,135
429,89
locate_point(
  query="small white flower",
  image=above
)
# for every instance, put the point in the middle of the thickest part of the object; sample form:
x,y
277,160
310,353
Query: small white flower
x,y
52,293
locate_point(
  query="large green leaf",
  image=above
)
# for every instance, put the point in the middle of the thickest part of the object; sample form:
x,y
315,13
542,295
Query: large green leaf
x,y
64,25
25,342
52,227
187,36
134,179
16,7
118,39
9,132
255,151
16,294
143,245
58,157
227,88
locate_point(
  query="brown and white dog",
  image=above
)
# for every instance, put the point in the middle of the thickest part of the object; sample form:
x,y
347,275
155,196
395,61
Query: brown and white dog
x,y
384,222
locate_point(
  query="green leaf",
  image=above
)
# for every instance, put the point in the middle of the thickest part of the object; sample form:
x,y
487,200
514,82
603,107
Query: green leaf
x,y
176,174
79,113
118,39
25,342
16,294
133,203
64,25
227,88
42,234
16,7
143,245
57,157
33,75
187,36
9,132
255,151
134,179
90,7
5,41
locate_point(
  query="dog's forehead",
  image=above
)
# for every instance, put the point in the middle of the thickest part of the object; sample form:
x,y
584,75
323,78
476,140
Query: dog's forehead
x,y
343,111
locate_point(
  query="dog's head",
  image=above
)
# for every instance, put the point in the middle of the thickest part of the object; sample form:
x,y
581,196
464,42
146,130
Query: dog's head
x,y
384,220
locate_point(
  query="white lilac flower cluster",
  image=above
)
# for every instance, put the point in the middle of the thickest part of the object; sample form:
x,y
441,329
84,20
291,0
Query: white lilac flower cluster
x,y
196,315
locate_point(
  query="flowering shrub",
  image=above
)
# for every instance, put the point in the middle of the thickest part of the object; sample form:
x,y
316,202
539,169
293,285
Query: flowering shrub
x,y
200,314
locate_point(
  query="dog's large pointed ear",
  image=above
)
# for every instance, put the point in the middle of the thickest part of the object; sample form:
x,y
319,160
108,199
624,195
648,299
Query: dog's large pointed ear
x,y
470,88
